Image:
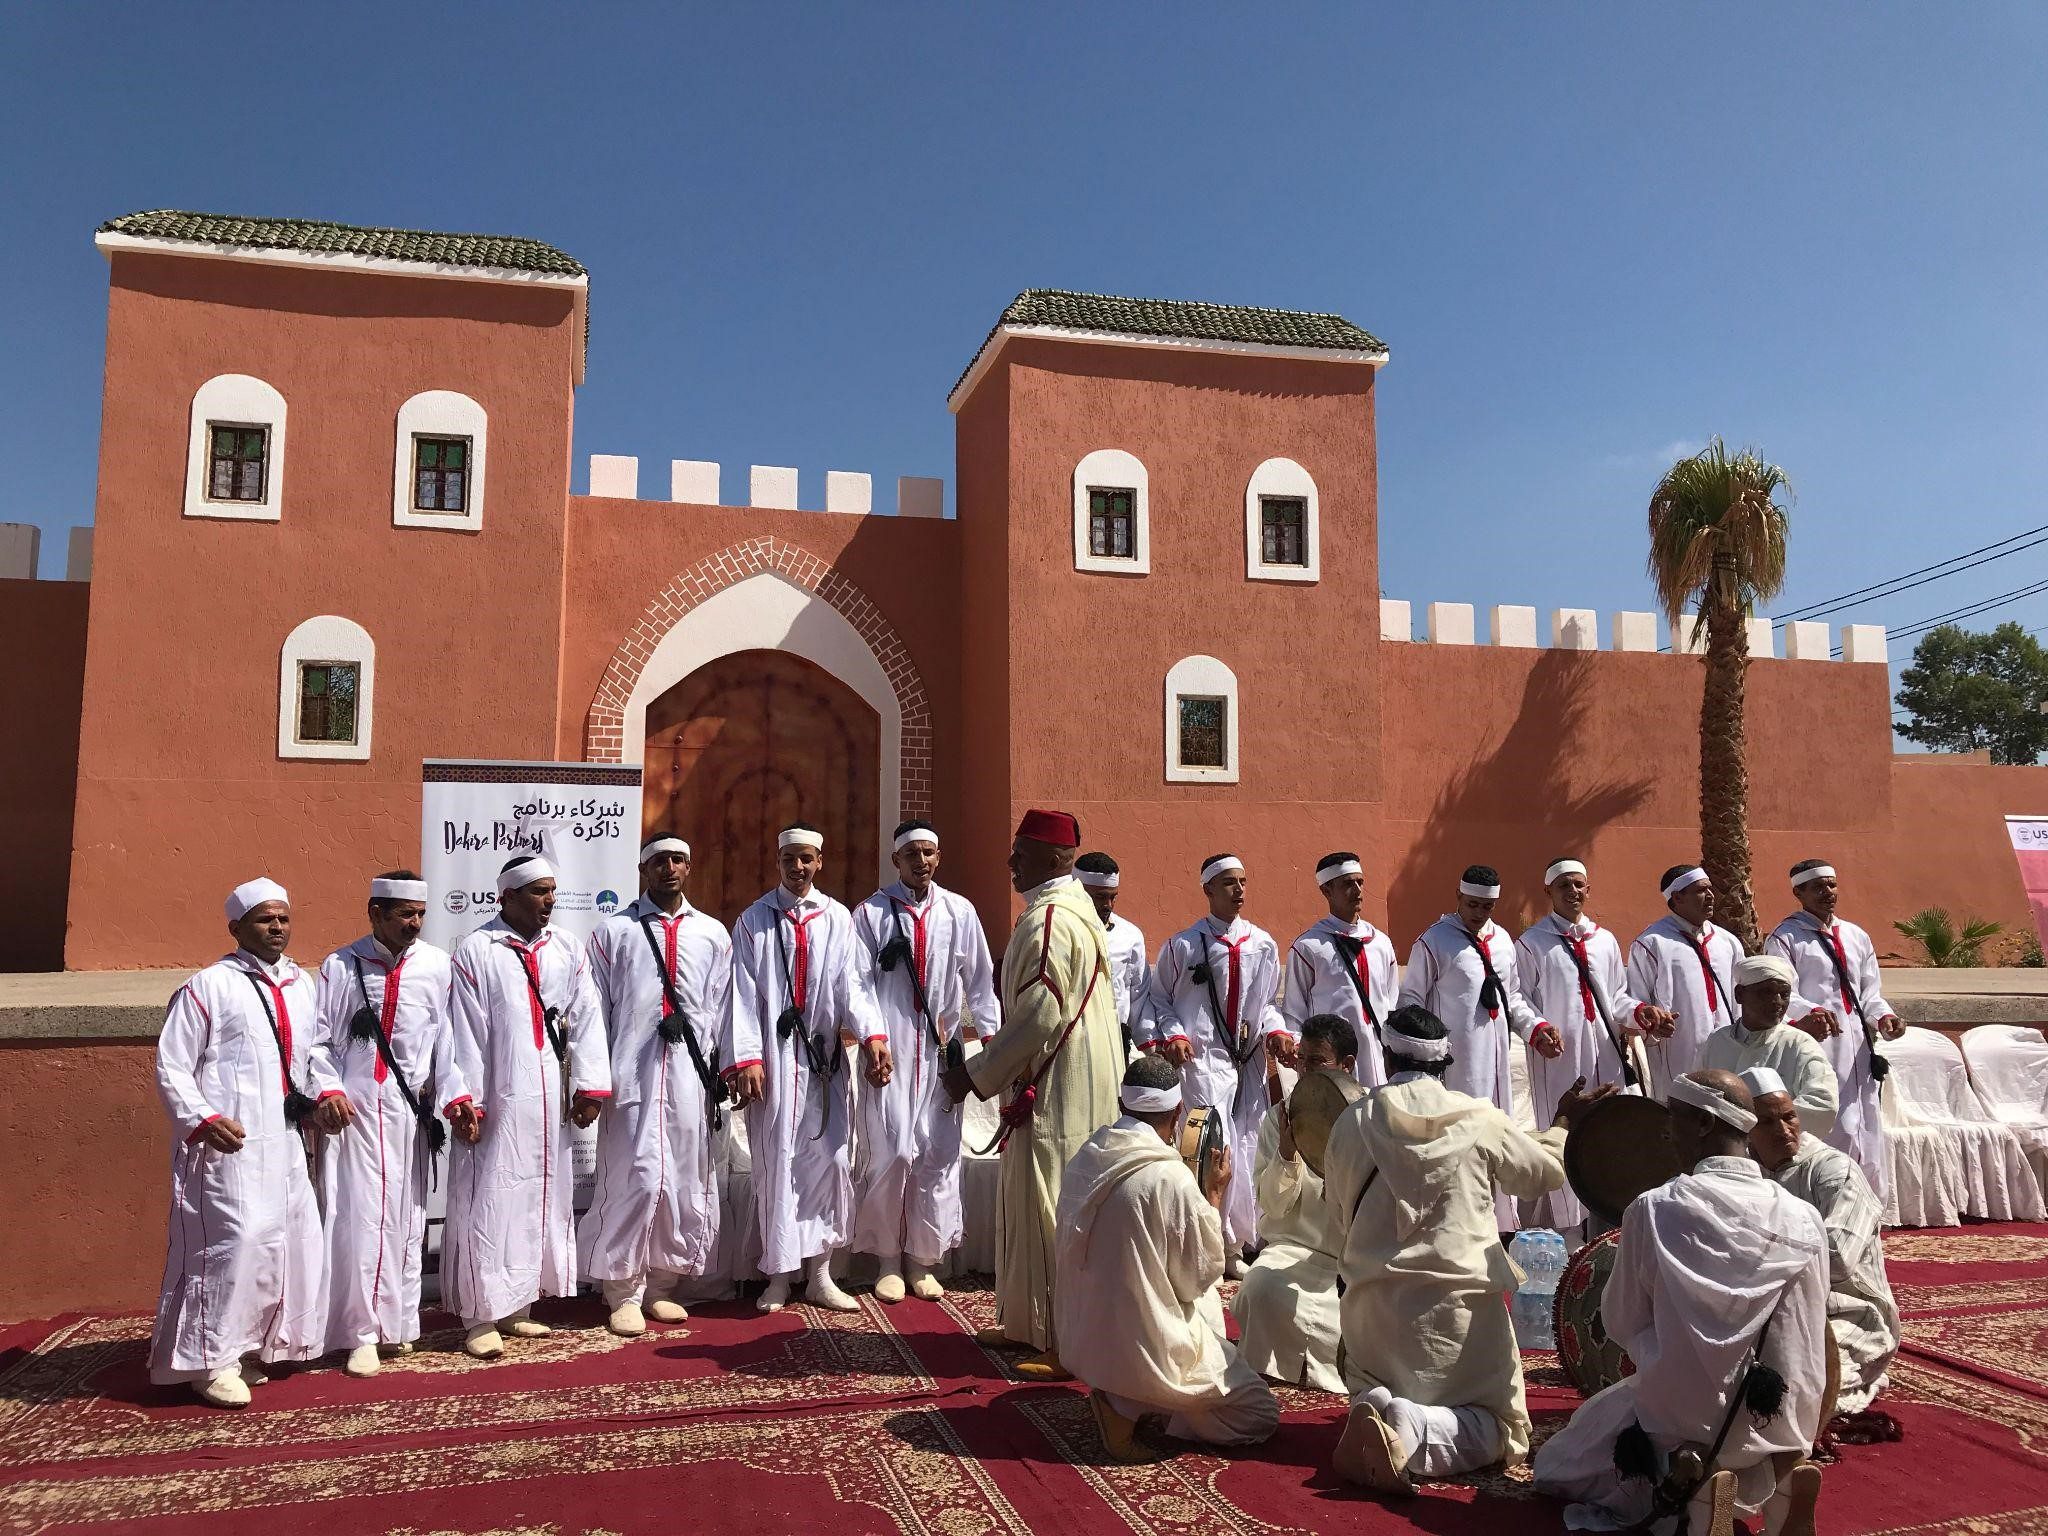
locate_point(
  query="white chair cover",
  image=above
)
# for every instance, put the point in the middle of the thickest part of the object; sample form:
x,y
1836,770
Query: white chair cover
x,y
2009,1068
1949,1156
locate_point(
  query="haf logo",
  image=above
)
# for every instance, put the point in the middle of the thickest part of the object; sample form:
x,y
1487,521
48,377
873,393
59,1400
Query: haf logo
x,y
456,902
607,902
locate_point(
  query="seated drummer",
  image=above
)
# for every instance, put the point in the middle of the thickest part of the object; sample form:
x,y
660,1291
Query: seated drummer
x,y
1861,1313
1138,1253
1409,1181
1760,1037
1286,1310
1719,1277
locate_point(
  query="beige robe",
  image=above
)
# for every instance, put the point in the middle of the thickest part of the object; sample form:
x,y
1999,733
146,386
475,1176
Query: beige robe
x,y
1055,971
1424,1273
1286,1309
1788,1051
1861,1311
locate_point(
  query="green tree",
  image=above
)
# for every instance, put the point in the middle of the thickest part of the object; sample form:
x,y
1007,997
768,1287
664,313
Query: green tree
x,y
1943,943
1717,541
1967,690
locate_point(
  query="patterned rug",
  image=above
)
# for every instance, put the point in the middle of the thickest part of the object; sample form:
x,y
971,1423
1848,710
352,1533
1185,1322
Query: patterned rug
x,y
894,1420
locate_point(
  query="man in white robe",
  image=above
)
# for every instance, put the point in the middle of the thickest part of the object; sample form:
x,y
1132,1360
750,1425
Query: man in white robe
x,y
245,1275
1344,965
1140,1255
1836,967
385,1066
1717,1273
662,973
530,1045
800,1004
1684,965
1760,1037
1862,1314
1572,973
1216,1016
1130,961
928,968
1410,1178
1288,1324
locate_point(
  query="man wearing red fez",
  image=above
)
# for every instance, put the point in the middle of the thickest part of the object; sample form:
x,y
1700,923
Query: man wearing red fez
x,y
1057,1061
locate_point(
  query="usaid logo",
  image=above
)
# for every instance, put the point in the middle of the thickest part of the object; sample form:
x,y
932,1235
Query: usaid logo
x,y
456,902
607,902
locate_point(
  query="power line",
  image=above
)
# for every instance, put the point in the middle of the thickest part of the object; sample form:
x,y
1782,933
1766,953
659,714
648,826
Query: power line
x,y
1968,610
1892,586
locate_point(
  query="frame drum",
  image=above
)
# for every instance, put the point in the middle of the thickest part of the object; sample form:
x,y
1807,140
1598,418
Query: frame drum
x,y
1201,1133
1312,1109
1619,1148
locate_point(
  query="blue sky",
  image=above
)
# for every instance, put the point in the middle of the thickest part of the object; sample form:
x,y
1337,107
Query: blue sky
x,y
1591,235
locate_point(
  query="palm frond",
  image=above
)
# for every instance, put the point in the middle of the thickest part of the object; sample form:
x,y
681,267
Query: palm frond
x,y
1715,523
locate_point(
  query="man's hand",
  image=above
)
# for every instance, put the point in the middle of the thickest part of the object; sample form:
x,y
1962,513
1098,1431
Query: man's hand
x,y
1179,1052
1657,1023
1545,1040
1216,1173
1575,1101
334,1113
1285,1132
956,1082
584,1109
468,1122
1283,1048
1891,1026
223,1135
875,1056
747,1085
1821,1024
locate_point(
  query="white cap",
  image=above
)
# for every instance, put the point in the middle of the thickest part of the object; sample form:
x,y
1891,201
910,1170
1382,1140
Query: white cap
x,y
251,894
1751,969
398,890
800,837
1762,1080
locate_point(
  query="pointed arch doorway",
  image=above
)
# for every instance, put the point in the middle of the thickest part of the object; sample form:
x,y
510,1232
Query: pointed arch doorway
x,y
748,743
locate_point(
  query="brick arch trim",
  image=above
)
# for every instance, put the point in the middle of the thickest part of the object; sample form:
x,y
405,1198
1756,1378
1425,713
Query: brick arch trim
x,y
604,731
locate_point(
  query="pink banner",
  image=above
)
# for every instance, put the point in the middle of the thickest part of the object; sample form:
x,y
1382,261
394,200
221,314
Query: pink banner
x,y
2029,836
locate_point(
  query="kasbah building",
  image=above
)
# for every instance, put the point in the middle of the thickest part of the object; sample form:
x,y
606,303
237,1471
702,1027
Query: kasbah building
x,y
334,536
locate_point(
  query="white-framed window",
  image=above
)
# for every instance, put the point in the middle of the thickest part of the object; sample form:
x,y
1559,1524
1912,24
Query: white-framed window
x,y
1112,532
1281,524
326,684
438,461
1201,722
234,463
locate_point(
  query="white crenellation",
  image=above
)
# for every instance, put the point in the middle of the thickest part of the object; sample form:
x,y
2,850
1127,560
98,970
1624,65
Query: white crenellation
x,y
1510,625
849,491
1635,631
772,486
1690,638
1864,642
694,481
1450,623
616,475
78,556
1575,629
1763,640
920,496
1397,619
1807,640
21,547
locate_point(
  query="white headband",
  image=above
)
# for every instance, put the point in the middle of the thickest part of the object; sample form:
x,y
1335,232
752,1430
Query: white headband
x,y
1222,866
1097,881
800,837
1562,868
1679,881
524,873
1818,872
917,835
1754,968
1482,892
664,845
1414,1049
398,890
1762,1080
1337,870
251,894
1713,1101
1149,1101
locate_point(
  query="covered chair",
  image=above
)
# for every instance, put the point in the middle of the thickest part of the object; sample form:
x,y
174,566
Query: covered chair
x,y
1950,1157
2009,1069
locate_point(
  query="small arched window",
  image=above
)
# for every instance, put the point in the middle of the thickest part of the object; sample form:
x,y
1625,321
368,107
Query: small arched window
x,y
437,476
1281,524
1112,514
326,684
1201,722
234,464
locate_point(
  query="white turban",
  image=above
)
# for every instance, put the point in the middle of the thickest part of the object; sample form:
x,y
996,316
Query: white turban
x,y
398,890
800,837
1713,1101
1149,1101
1751,969
251,894
1412,1046
1762,1080
524,873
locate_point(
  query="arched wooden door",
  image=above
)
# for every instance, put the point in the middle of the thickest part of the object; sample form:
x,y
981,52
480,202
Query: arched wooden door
x,y
744,746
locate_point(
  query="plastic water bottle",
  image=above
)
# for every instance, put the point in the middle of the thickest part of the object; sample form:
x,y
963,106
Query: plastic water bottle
x,y
1541,1255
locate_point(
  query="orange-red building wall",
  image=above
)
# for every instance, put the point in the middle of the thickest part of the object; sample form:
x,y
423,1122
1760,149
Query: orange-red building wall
x,y
42,637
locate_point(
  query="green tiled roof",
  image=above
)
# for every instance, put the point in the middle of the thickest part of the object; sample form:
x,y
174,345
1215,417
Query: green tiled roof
x,y
508,252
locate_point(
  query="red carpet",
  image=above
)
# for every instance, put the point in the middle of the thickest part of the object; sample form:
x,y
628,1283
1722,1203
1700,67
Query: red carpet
x,y
894,1420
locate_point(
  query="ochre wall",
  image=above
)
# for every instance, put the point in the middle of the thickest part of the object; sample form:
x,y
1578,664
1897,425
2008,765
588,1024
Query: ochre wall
x,y
178,764
981,457
42,681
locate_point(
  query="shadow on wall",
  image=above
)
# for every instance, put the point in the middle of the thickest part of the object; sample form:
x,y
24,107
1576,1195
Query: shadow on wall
x,y
1516,806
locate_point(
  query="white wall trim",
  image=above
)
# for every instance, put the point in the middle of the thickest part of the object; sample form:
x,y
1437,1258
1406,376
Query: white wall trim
x,y
235,399
439,413
326,637
767,612
1207,678
1282,477
1114,469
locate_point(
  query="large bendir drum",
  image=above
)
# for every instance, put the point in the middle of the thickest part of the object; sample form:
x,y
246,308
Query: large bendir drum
x,y
1201,1134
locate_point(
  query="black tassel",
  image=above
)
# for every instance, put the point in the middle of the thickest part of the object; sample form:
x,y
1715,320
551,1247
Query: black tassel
x,y
1201,972
296,1107
788,1022
362,1024
671,1029
436,1132
1763,1392
893,953
1880,1066
1635,1454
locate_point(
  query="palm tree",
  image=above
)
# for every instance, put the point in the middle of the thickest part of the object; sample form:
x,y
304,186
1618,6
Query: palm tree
x,y
1717,541
1943,943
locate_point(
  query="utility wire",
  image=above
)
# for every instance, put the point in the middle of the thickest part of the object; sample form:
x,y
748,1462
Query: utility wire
x,y
1892,586
1968,610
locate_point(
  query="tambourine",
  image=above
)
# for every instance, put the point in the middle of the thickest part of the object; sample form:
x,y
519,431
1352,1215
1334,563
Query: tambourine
x,y
1201,1133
